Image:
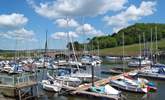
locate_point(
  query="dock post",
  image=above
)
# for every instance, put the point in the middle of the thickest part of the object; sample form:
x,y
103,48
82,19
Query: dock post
x,y
92,75
37,91
31,90
19,94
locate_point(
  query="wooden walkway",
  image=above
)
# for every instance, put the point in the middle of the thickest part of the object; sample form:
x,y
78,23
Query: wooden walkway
x,y
26,84
86,93
82,89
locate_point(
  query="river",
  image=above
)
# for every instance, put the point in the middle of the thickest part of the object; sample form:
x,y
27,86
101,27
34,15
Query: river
x,y
159,95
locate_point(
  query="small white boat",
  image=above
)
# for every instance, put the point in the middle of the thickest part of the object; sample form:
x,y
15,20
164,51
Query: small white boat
x,y
51,85
68,80
139,62
106,90
129,85
87,60
97,59
7,68
74,63
81,75
111,91
154,72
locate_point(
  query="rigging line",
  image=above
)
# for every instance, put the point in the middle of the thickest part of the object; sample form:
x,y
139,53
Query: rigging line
x,y
83,32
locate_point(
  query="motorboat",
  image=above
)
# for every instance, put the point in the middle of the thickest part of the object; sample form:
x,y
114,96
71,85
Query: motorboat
x,y
51,85
97,59
87,60
153,72
132,85
68,80
106,90
139,62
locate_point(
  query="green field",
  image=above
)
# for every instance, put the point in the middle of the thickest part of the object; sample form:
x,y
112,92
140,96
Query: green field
x,y
131,50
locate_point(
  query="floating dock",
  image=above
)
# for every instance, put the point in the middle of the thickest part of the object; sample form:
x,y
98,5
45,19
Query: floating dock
x,y
20,86
82,89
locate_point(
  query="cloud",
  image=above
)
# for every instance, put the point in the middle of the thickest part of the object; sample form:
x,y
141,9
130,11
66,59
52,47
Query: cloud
x,y
62,35
131,14
64,23
13,20
61,8
88,30
19,34
12,27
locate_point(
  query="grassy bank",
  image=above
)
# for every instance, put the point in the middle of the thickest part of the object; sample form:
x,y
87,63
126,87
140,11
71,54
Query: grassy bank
x,y
131,50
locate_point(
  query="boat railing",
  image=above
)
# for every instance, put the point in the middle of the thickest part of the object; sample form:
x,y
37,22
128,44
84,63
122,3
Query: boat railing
x,y
13,80
31,77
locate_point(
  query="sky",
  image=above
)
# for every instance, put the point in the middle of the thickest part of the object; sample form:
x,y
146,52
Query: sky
x,y
24,23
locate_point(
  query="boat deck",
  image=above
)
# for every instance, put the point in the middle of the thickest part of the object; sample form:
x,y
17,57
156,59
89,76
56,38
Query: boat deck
x,y
82,89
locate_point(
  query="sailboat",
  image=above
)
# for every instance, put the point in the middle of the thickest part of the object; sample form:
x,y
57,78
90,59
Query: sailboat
x,y
97,58
49,83
142,61
139,61
129,84
156,70
156,63
78,74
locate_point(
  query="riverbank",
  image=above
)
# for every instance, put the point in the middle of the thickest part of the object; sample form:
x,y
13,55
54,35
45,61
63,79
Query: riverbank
x,y
130,50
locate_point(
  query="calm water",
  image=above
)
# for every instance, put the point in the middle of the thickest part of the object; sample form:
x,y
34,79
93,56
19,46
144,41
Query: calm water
x,y
159,95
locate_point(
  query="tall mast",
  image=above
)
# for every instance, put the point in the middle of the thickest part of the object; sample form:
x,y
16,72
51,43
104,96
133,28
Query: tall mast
x,y
46,47
144,46
123,51
98,48
140,49
67,23
156,37
46,42
151,46
83,32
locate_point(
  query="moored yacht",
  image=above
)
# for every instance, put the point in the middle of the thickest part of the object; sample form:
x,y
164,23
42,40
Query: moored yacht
x,y
139,62
51,85
133,85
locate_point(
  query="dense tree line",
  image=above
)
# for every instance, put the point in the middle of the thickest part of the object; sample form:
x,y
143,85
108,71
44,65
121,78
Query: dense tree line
x,y
131,36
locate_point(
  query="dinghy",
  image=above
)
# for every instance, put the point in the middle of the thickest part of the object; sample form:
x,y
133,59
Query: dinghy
x,y
107,90
51,85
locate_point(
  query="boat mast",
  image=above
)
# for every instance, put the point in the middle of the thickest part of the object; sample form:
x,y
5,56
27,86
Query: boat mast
x,y
156,53
98,48
140,49
144,46
46,47
68,51
151,47
73,49
83,32
123,52
69,38
45,54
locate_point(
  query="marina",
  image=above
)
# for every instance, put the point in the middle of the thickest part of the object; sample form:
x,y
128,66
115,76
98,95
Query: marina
x,y
82,50
82,90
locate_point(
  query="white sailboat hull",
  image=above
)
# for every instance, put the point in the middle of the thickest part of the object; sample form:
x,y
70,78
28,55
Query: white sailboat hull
x,y
55,87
